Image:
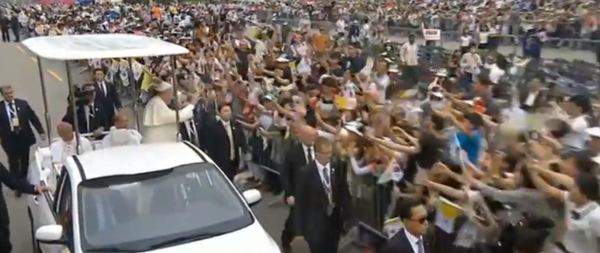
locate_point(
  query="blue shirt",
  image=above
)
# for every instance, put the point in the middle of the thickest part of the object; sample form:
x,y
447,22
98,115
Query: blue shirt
x,y
471,144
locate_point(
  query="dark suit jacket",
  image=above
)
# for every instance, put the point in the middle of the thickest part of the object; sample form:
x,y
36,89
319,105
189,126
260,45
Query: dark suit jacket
x,y
26,117
538,102
100,119
399,243
14,183
294,160
111,100
311,202
219,148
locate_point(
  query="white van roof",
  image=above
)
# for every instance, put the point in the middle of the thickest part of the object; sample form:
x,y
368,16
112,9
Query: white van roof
x,y
100,46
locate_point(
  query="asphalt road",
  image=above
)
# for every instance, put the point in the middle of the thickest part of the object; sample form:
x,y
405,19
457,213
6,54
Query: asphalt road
x,y
20,69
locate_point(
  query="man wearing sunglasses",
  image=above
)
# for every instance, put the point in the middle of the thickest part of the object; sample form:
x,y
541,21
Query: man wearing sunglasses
x,y
410,239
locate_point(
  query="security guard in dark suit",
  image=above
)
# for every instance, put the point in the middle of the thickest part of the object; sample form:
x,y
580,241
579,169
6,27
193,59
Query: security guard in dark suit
x,y
17,184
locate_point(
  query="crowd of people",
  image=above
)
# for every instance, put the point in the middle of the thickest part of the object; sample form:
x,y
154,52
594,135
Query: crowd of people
x,y
353,143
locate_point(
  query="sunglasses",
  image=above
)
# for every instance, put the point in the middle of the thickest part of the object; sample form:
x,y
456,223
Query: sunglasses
x,y
421,220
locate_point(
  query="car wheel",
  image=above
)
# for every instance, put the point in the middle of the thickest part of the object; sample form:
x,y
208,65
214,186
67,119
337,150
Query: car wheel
x,y
35,245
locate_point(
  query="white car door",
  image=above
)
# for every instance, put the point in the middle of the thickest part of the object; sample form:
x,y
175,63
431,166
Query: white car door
x,y
53,209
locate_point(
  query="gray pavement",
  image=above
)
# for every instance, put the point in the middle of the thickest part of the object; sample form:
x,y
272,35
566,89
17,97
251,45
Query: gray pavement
x,y
20,69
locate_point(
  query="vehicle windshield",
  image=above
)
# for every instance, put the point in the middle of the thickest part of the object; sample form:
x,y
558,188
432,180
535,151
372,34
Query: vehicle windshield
x,y
147,211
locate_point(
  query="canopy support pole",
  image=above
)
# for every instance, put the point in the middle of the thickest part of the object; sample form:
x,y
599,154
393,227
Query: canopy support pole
x,y
175,97
45,101
133,82
72,103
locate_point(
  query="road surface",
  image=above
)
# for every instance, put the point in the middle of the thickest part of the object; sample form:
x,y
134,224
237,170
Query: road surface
x,y
20,69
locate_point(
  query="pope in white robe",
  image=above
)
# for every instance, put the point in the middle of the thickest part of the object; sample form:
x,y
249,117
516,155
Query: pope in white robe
x,y
66,145
160,124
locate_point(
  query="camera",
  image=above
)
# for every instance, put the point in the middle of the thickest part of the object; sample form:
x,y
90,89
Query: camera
x,y
83,94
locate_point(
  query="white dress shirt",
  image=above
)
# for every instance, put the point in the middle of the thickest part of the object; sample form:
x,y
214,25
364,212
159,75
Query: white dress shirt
x,y
583,234
325,173
413,240
12,114
227,126
61,150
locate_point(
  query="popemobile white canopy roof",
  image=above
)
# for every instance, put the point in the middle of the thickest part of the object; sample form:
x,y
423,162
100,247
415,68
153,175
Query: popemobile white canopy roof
x,y
100,46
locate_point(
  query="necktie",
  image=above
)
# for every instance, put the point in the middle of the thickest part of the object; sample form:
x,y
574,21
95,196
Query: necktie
x,y
13,110
420,245
327,182
309,155
102,89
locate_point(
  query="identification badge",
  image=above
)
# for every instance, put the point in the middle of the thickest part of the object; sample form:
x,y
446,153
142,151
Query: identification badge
x,y
330,209
15,122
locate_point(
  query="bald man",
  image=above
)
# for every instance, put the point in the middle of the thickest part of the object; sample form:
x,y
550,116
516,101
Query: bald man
x,y
119,135
66,145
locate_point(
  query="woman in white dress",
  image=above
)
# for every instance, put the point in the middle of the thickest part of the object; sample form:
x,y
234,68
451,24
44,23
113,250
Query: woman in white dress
x,y
160,124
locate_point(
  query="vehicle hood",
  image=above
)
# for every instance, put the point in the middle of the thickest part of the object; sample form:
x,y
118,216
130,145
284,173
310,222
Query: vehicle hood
x,y
251,239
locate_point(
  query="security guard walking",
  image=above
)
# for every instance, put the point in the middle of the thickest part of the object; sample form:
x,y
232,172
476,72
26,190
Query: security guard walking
x,y
17,184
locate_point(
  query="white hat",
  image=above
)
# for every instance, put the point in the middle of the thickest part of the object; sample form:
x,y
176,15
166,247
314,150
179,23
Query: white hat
x,y
594,132
163,86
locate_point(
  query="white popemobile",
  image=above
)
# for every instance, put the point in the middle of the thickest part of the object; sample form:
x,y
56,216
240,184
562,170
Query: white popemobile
x,y
158,198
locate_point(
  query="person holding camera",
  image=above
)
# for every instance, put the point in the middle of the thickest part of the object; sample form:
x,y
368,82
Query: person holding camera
x,y
92,117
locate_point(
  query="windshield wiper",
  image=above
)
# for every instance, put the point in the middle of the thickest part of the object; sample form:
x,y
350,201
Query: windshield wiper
x,y
184,239
112,249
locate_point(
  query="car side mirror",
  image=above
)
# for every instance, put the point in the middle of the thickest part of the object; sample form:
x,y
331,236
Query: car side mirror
x,y
252,196
50,234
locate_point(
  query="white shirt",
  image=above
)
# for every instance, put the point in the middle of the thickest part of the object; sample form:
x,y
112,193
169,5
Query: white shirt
x,y
325,175
61,150
413,242
470,63
582,235
408,54
465,41
495,73
577,137
531,98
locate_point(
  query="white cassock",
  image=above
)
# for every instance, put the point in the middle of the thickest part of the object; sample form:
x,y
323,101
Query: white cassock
x,y
121,137
61,149
160,124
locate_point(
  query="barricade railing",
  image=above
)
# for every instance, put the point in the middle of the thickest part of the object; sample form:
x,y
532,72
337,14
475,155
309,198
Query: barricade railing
x,y
573,46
